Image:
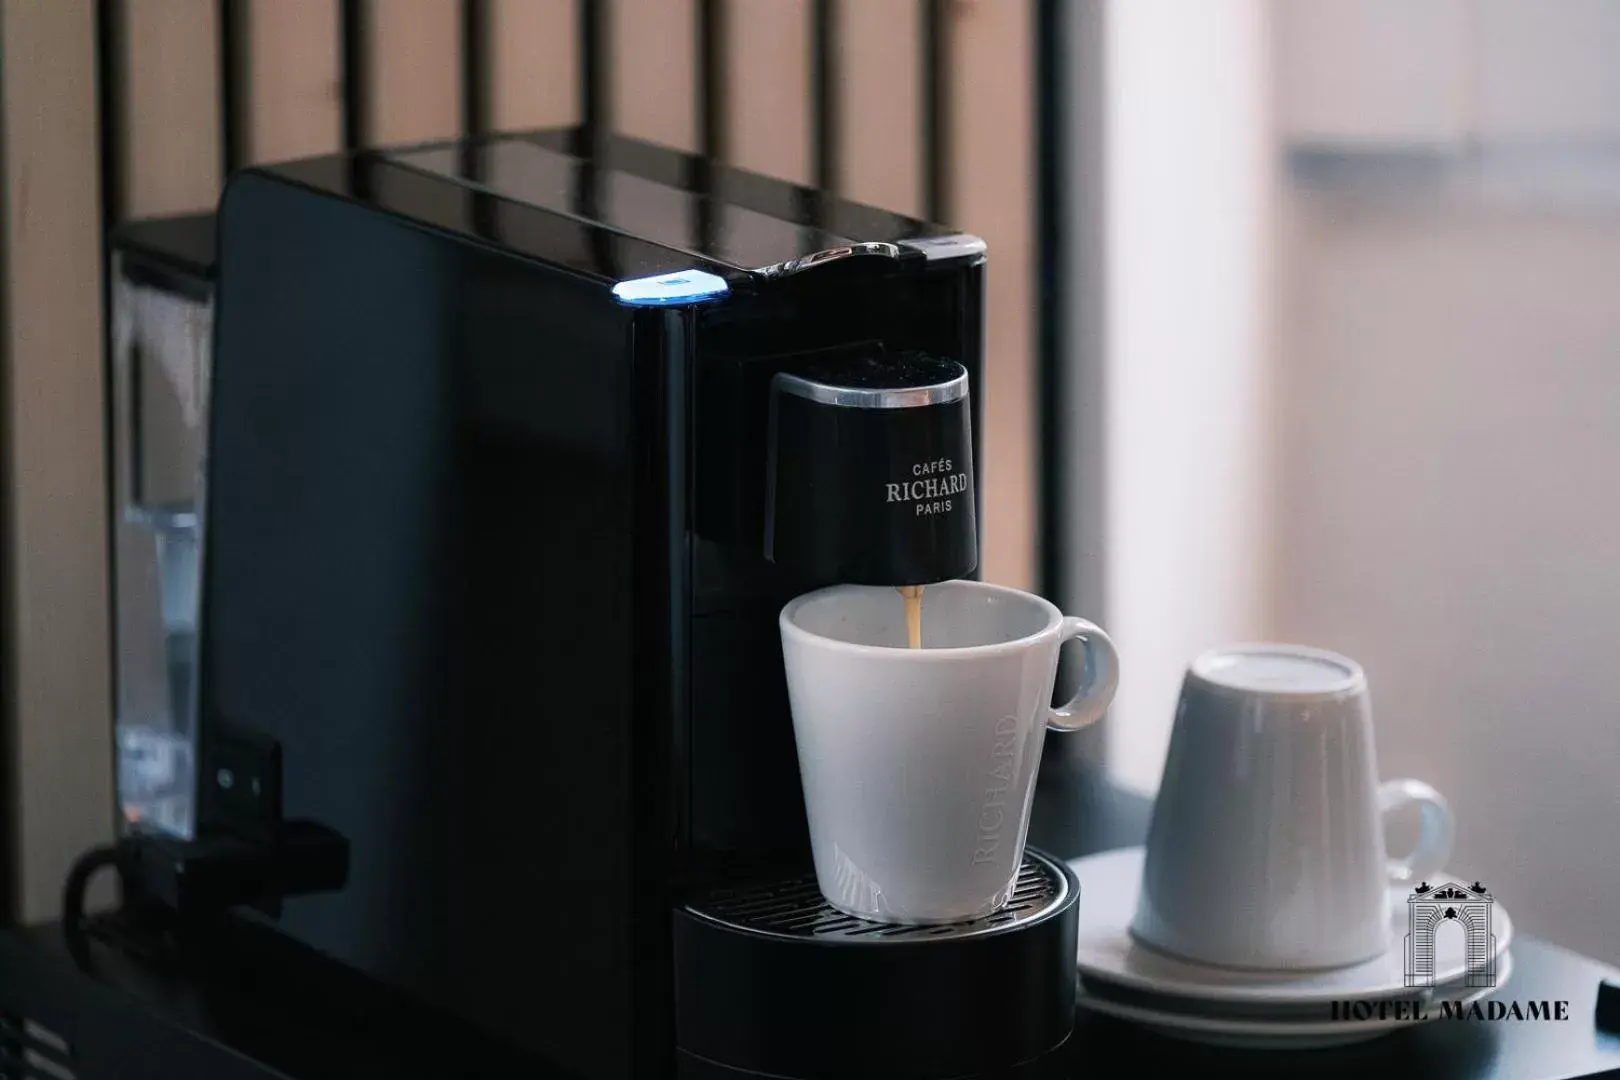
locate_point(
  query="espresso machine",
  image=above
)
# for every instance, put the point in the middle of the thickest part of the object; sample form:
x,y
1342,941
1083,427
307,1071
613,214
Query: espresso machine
x,y
517,447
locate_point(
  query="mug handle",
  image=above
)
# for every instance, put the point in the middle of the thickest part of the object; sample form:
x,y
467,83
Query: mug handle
x,y
1435,834
1102,678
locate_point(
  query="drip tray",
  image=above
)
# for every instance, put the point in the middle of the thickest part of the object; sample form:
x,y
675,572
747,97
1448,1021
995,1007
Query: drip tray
x,y
771,980
795,908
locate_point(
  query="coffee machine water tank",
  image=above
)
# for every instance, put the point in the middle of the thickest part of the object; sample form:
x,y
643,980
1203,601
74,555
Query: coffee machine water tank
x,y
159,360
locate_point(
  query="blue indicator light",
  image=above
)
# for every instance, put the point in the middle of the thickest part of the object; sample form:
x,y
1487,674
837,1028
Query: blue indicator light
x,y
681,287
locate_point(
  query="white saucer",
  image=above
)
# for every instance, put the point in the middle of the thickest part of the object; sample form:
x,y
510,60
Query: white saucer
x,y
1283,1035
1109,885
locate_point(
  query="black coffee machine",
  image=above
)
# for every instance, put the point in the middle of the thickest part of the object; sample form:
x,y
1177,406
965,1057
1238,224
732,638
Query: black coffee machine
x,y
517,449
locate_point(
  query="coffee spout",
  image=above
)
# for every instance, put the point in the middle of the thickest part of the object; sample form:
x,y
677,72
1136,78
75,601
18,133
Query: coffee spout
x,y
869,475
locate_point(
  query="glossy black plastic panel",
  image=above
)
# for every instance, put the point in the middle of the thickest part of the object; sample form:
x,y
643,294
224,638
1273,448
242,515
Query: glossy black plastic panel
x,y
485,552
717,214
435,576
175,254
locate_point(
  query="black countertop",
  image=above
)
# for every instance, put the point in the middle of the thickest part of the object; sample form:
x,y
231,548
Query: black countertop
x,y
130,1020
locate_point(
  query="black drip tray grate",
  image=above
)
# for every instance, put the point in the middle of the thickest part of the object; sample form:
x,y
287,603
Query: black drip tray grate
x,y
794,907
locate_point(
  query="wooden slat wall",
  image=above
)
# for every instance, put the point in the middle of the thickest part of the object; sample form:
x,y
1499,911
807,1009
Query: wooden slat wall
x,y
534,64
992,193
413,58
654,78
171,107
880,95
767,73
292,79
57,678
925,106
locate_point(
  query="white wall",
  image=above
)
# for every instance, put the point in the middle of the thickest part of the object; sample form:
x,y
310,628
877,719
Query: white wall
x,y
1374,72
1187,164
1449,385
1400,439
1450,516
1439,75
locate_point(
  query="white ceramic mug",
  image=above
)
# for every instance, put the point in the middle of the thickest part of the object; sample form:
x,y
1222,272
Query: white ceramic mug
x,y
919,764
1266,848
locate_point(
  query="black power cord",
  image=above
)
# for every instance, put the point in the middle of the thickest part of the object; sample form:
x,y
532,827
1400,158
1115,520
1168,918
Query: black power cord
x,y
84,868
168,882
74,922
246,855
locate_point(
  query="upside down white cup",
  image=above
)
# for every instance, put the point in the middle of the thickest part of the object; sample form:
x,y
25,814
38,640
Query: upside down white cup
x,y
1266,849
919,765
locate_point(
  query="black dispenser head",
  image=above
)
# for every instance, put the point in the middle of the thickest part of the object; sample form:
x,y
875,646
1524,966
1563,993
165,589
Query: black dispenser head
x,y
869,474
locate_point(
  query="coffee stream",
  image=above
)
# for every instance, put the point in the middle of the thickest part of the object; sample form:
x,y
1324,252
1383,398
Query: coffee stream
x,y
912,594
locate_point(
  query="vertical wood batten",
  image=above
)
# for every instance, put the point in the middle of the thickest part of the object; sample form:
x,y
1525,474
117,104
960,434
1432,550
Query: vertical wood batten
x,y
173,108
111,77
59,679
10,809
713,109
879,45
534,69
232,76
935,62
1050,229
653,79
594,55
292,74
991,143
111,124
354,36
413,65
826,96
768,69
713,105
475,46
